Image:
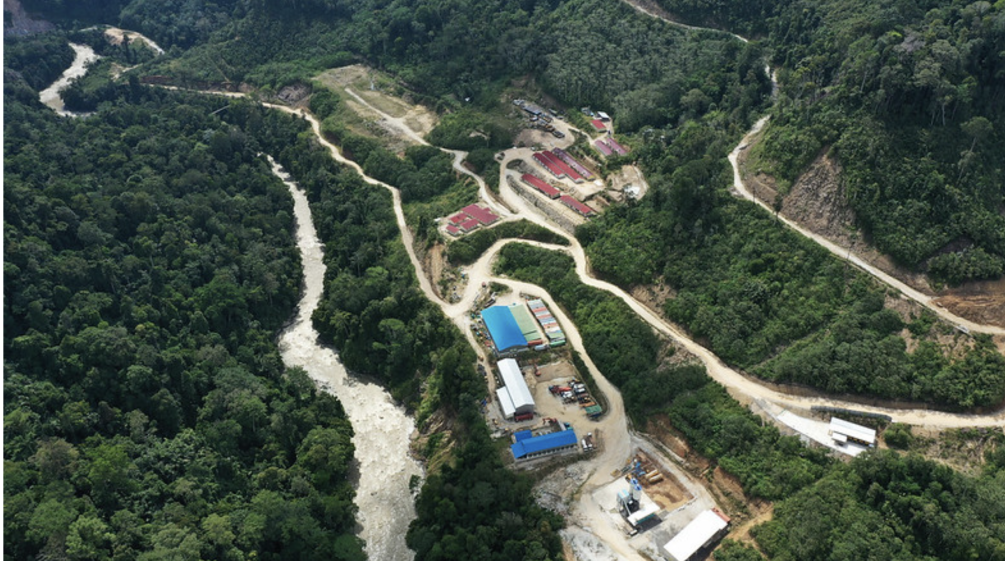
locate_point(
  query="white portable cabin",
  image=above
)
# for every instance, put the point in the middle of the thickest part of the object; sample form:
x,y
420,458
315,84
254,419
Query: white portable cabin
x,y
842,431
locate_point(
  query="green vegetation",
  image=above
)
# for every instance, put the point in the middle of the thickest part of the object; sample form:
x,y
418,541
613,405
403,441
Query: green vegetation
x,y
374,313
148,264
891,506
471,130
472,246
37,60
907,97
764,298
628,353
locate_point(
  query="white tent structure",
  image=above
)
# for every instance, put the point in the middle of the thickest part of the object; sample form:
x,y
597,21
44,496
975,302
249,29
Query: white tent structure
x,y
515,397
705,528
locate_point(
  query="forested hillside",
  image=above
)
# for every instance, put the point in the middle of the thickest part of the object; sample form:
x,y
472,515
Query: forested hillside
x,y
910,98
383,325
882,505
148,264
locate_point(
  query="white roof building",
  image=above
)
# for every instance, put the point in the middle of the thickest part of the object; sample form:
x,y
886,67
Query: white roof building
x,y
518,396
842,431
705,528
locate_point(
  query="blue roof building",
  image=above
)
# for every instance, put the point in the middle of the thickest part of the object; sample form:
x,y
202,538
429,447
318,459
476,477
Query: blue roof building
x,y
545,444
502,326
523,435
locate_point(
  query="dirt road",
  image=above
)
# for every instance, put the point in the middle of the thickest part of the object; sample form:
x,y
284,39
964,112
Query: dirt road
x,y
845,253
841,252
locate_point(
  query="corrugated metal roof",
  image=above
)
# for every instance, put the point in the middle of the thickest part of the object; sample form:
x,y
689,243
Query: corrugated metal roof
x,y
544,443
512,378
527,324
695,535
541,185
503,328
852,430
505,402
576,205
483,215
602,146
522,435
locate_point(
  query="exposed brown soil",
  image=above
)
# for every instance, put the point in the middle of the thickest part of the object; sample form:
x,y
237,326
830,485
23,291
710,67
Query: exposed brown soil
x,y
980,301
816,202
724,487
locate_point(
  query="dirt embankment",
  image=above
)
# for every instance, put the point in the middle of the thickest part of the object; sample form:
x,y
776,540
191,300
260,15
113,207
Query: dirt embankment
x,y
816,202
726,488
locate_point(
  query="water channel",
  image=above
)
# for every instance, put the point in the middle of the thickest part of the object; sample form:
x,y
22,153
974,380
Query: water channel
x,y
50,96
382,428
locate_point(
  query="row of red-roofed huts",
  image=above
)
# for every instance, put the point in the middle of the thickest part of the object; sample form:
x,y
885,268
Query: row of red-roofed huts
x,y
573,163
541,186
551,329
556,166
610,146
469,218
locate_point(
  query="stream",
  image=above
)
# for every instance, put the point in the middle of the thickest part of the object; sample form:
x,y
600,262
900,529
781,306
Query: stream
x,y
382,429
50,96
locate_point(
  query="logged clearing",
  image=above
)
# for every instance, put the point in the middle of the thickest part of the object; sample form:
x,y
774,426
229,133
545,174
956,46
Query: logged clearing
x,y
381,92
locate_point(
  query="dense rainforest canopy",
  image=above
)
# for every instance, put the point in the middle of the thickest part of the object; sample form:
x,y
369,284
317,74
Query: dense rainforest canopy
x,y
149,265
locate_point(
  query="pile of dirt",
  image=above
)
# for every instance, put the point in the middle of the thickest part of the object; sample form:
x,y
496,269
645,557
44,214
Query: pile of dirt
x,y
982,302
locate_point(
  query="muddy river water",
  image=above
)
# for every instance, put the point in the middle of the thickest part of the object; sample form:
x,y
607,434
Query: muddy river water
x,y
50,96
382,429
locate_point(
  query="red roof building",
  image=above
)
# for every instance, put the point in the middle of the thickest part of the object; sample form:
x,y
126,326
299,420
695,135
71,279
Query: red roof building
x,y
468,225
482,215
453,230
541,186
573,163
616,147
598,125
602,146
458,218
573,174
576,205
549,165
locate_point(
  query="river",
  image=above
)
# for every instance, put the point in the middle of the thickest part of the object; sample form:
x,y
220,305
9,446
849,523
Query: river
x,y
382,429
50,96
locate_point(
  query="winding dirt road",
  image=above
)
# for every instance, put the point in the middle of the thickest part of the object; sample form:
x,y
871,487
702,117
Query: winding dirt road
x,y
738,384
614,425
844,253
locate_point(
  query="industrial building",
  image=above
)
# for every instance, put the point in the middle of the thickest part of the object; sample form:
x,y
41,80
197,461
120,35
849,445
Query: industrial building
x,y
554,333
705,529
576,205
635,506
842,432
514,397
528,327
541,186
503,329
527,448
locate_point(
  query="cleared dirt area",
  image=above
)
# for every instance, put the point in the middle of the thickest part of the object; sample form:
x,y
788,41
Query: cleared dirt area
x,y
982,302
381,92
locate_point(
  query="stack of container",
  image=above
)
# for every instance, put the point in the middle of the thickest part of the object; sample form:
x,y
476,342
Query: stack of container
x,y
548,323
